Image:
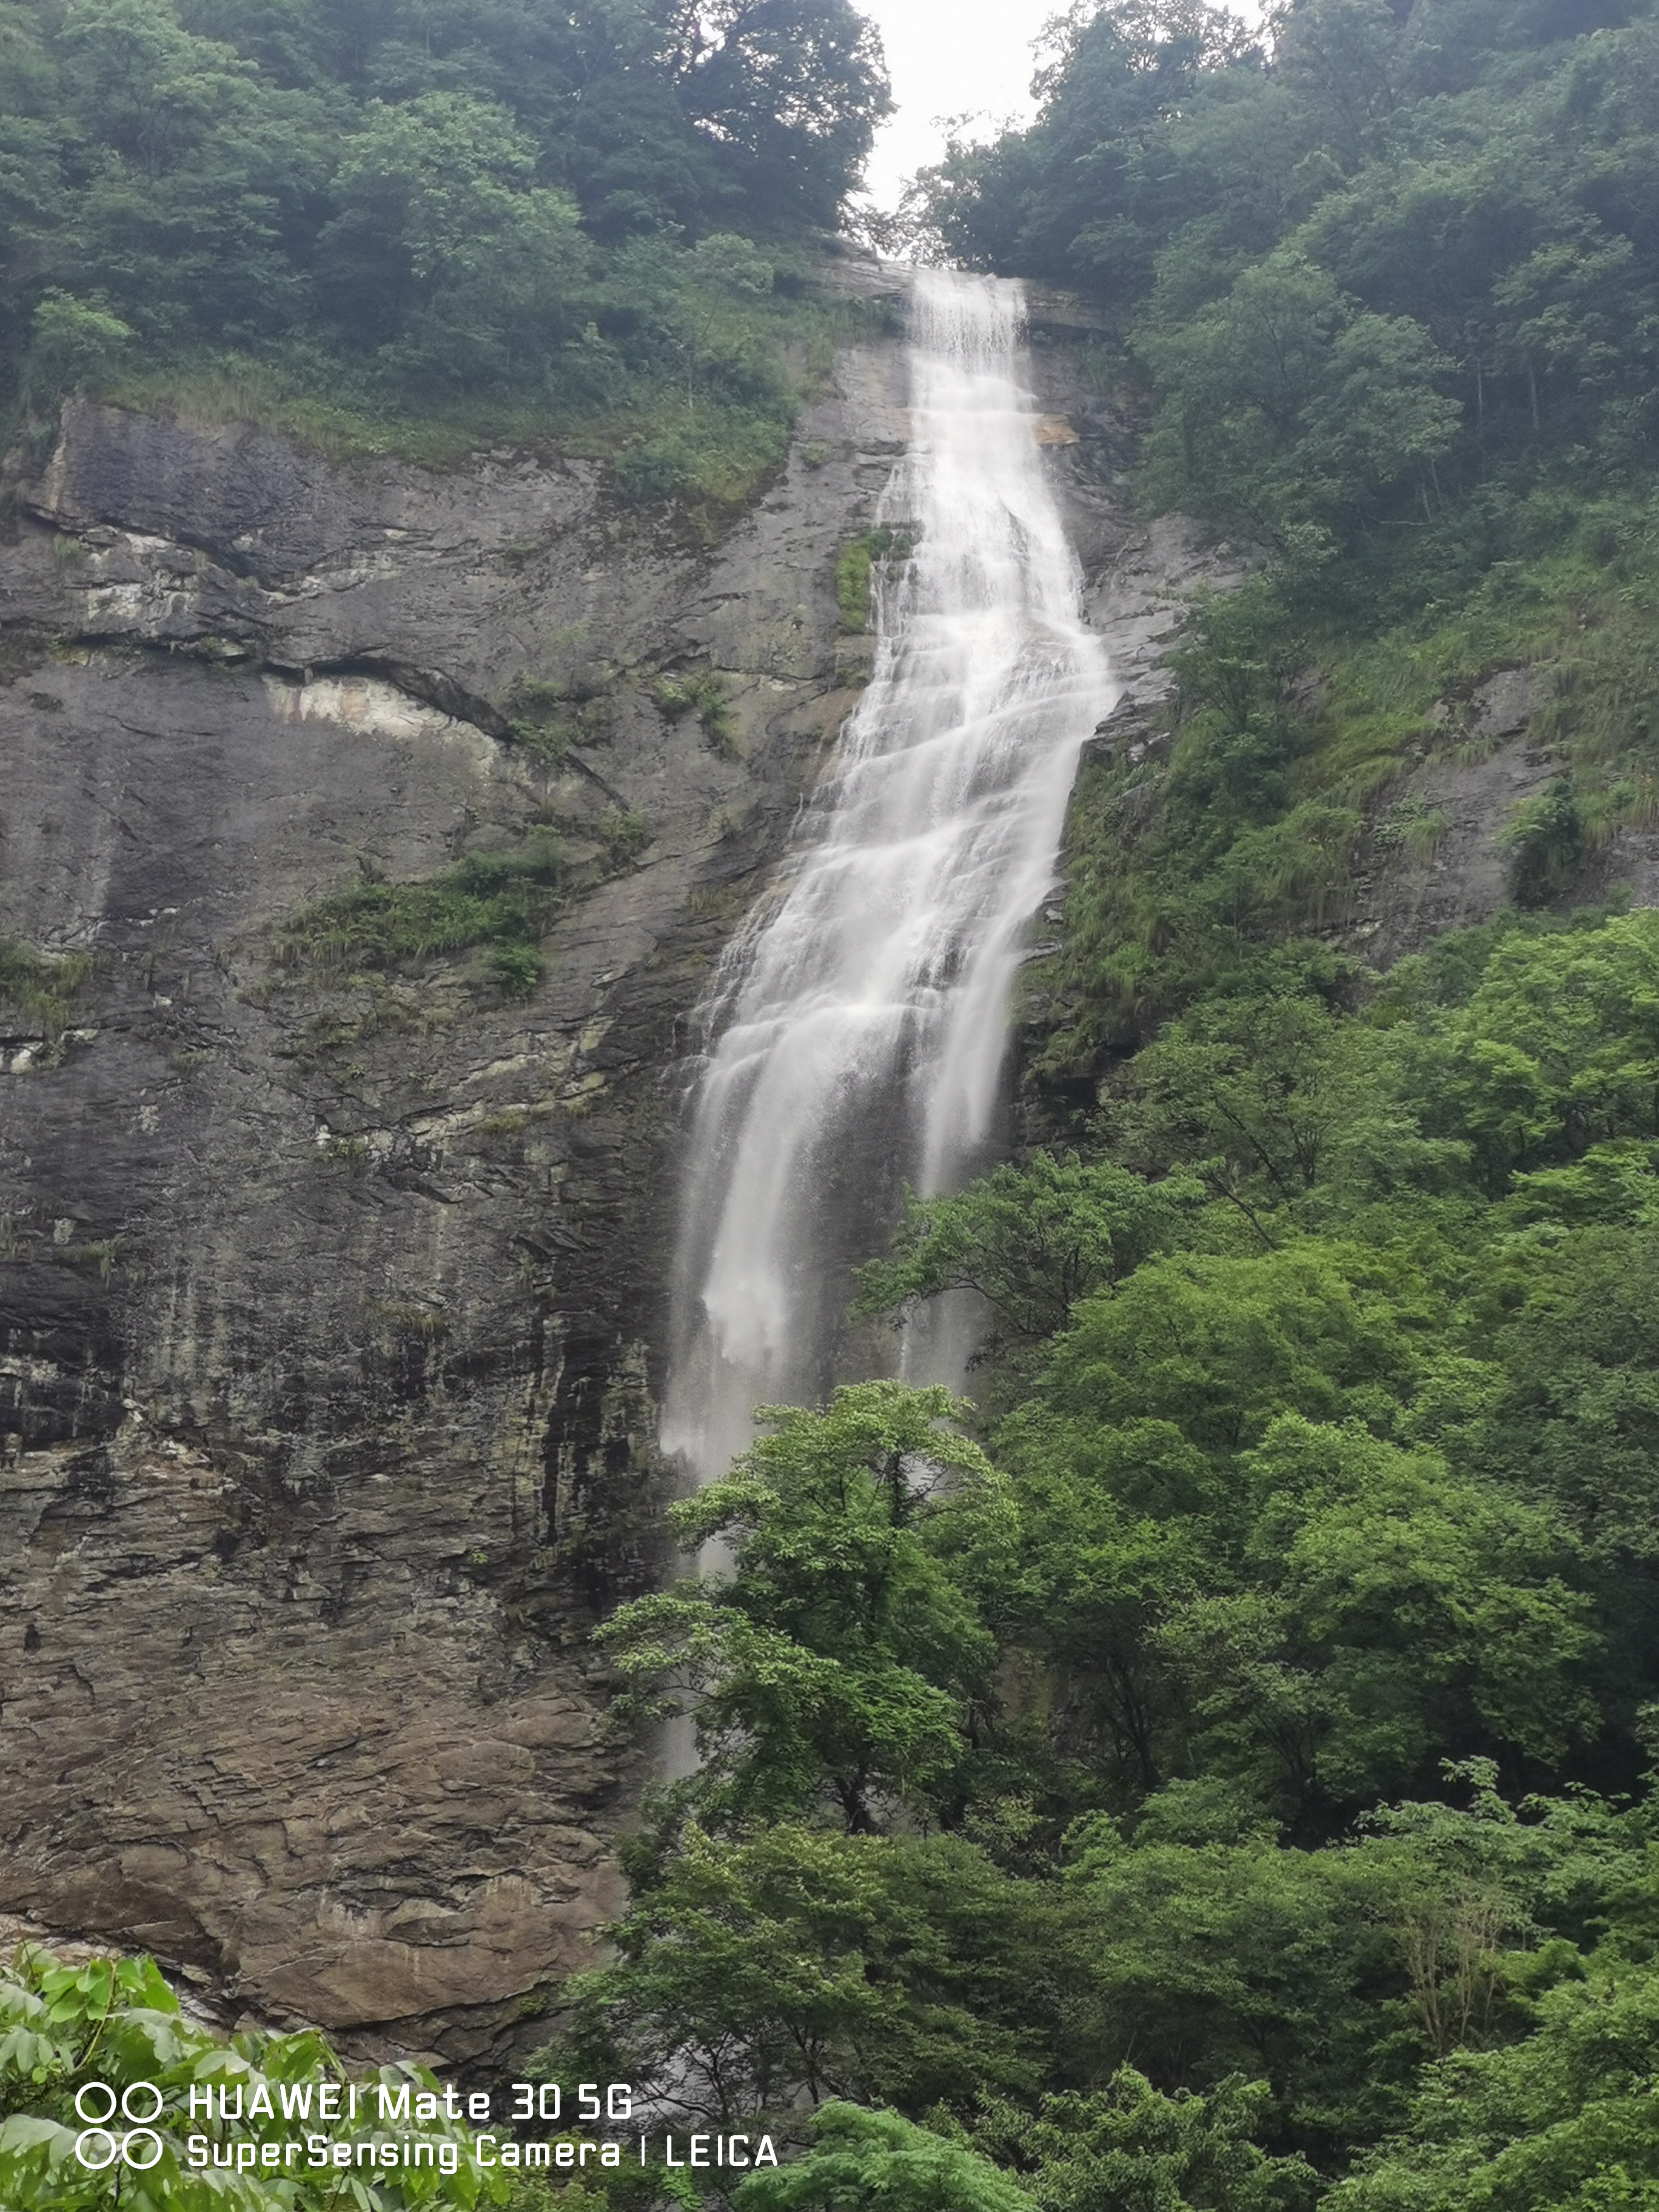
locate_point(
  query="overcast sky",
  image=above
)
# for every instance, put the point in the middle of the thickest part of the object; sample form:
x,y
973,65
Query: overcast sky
x,y
954,57
948,58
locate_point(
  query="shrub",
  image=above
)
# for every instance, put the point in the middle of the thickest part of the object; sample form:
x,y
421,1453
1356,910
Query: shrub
x,y
704,694
504,900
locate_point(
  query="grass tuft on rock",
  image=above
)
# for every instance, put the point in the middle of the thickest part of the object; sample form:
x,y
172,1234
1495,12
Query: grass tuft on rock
x,y
702,693
502,900
856,568
41,988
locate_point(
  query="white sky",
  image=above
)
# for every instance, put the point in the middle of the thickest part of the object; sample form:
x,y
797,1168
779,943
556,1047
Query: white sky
x,y
950,58
956,57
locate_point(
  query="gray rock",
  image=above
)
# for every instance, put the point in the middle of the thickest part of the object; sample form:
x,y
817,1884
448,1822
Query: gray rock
x,y
1401,898
325,1414
328,1305
1504,705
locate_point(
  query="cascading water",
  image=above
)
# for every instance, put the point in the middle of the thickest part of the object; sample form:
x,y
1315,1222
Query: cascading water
x,y
858,1028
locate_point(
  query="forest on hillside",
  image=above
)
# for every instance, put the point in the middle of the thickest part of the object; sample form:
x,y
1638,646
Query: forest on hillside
x,y
384,225
1220,1782
1386,283
1212,1770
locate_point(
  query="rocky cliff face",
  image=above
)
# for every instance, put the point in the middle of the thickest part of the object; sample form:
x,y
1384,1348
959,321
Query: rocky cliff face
x,y
325,1300
328,1300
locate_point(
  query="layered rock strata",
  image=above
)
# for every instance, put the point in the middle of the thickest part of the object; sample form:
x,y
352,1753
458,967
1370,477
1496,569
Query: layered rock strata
x,y
325,1403
330,1295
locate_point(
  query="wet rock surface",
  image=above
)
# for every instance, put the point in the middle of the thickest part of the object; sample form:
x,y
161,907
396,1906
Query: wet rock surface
x,y
325,1405
329,1301
1435,855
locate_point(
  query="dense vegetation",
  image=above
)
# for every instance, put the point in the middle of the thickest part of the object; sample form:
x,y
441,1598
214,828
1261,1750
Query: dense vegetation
x,y
1386,284
1212,1772
104,2028
382,223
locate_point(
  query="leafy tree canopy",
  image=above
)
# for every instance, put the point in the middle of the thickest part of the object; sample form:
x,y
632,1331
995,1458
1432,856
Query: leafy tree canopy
x,y
1209,1774
425,206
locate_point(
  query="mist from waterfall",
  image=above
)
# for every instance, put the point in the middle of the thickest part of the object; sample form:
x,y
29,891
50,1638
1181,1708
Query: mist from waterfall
x,y
857,1031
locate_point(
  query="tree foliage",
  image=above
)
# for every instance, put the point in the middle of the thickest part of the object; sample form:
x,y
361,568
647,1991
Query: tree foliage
x,y
846,1648
426,205
861,2158
116,2022
1215,1784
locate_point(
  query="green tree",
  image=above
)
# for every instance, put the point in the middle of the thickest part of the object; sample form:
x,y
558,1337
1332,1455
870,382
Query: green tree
x,y
861,2160
1086,193
445,249
1557,1048
1130,2148
1394,1613
1220,1346
790,92
758,1975
1114,1537
1215,1953
115,2021
1270,1090
1564,2119
844,1656
73,340
1029,1240
193,172
1287,406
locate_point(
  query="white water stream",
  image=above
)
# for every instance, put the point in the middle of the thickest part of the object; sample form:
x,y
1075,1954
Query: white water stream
x,y
857,1031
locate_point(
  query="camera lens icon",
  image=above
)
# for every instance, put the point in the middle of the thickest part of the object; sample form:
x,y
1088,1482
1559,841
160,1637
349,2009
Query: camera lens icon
x,y
97,2147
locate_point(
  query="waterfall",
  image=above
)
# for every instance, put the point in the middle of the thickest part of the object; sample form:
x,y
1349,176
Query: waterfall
x,y
857,1030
